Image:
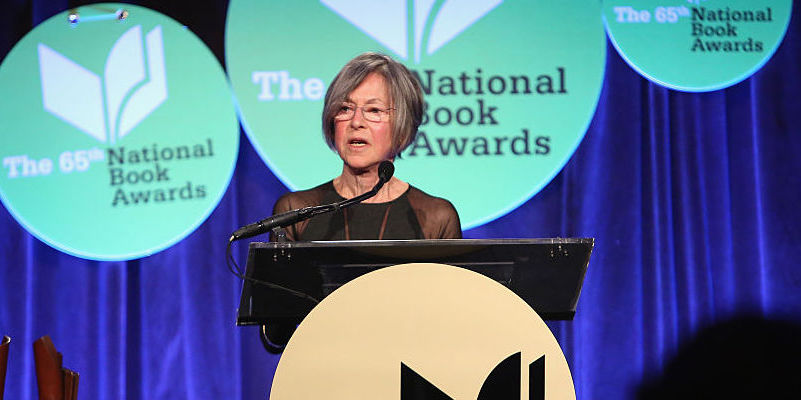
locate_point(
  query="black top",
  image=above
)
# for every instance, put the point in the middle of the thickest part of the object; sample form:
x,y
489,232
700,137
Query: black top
x,y
413,215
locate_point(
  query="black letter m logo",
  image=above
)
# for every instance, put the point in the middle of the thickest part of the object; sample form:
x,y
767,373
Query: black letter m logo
x,y
503,383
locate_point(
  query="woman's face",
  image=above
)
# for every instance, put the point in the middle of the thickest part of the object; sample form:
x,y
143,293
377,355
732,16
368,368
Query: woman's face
x,y
361,143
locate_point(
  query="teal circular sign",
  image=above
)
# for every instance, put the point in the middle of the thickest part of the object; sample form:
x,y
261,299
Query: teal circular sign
x,y
510,88
119,133
696,45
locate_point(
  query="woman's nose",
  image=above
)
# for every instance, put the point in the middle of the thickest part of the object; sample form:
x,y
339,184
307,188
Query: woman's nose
x,y
358,118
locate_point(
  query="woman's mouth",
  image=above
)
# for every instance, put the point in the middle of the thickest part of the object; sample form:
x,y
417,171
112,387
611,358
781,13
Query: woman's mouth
x,y
357,143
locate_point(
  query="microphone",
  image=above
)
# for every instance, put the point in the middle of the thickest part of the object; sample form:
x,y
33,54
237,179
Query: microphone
x,y
385,171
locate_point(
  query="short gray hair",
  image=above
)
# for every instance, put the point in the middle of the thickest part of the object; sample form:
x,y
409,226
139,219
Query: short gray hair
x,y
404,92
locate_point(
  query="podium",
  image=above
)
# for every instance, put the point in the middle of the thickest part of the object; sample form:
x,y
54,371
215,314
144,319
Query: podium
x,y
546,273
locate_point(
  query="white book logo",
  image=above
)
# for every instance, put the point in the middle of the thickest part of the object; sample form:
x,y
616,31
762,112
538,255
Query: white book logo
x,y
134,84
435,23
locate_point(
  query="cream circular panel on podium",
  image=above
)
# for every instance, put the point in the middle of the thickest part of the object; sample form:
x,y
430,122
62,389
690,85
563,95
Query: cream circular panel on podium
x,y
121,135
417,329
511,87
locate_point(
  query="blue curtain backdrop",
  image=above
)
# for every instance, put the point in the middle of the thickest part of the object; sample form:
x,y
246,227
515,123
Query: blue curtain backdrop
x,y
693,200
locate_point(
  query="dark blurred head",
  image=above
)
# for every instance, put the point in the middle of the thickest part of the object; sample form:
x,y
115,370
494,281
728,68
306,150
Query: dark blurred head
x,y
746,357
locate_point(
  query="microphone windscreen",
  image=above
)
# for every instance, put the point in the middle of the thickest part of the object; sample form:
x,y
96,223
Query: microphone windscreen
x,y
385,170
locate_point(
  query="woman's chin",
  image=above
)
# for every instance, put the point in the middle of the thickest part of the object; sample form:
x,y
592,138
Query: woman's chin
x,y
358,165
360,168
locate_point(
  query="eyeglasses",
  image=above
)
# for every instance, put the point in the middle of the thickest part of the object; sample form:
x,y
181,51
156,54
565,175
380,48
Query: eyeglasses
x,y
371,113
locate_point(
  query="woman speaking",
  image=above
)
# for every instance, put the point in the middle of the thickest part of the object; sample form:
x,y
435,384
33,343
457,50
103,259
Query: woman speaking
x,y
371,113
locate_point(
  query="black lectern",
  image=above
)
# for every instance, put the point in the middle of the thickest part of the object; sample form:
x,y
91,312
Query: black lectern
x,y
546,273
